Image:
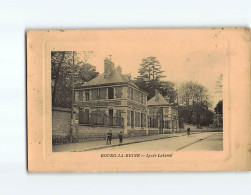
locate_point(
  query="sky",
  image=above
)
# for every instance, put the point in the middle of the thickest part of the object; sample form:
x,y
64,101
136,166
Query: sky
x,y
185,55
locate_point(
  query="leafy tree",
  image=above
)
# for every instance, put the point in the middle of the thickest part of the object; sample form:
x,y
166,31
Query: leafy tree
x,y
84,72
219,113
166,88
61,74
194,99
150,69
192,92
219,107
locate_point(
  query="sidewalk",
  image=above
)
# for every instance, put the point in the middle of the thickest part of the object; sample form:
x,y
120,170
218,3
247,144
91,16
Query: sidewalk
x,y
94,145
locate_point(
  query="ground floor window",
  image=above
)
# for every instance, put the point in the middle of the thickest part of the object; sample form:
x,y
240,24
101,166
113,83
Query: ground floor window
x,y
132,119
142,120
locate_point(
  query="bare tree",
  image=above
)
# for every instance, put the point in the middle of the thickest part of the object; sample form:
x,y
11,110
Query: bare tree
x,y
219,85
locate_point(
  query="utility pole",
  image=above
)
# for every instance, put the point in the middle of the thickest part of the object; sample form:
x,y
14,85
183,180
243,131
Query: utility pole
x,y
72,96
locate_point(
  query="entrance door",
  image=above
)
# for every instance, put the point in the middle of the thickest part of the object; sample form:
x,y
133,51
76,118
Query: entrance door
x,y
111,117
132,119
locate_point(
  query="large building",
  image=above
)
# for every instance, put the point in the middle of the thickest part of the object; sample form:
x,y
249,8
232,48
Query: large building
x,y
162,116
111,100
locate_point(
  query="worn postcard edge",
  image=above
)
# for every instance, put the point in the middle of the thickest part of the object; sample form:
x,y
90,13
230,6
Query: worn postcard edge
x,y
237,135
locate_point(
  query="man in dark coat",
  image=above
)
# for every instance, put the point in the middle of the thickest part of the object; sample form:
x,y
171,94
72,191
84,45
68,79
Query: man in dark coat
x,y
188,131
120,137
110,137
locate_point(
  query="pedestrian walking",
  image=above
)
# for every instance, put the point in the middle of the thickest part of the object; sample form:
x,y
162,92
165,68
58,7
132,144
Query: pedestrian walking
x,y
110,137
107,138
120,137
188,131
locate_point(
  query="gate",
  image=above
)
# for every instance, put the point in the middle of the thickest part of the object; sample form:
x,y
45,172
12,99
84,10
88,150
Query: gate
x,y
160,120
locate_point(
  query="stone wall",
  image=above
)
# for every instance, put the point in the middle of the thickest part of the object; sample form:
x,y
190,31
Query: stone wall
x,y
61,124
134,133
153,132
167,131
88,133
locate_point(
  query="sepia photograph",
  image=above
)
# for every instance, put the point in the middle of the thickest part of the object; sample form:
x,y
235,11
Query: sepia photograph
x,y
155,93
137,100
125,97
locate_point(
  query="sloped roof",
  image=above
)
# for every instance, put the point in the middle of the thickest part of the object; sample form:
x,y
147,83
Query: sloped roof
x,y
158,99
114,77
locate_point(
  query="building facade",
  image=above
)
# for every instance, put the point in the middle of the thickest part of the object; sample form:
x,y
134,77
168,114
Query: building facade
x,y
111,100
162,116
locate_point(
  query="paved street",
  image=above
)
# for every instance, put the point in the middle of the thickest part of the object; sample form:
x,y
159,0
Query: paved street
x,y
199,141
98,144
207,141
214,142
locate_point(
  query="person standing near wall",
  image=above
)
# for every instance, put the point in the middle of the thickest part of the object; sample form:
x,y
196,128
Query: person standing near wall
x,y
110,137
120,137
188,131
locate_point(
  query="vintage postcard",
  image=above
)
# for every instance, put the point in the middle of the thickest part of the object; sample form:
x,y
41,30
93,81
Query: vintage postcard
x,y
128,100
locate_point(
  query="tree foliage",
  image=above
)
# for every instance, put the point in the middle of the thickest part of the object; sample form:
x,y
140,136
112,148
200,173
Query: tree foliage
x,y
194,100
192,92
61,74
149,77
150,69
219,113
219,108
166,88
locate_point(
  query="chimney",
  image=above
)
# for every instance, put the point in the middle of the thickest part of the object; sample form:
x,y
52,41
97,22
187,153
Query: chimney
x,y
156,95
156,92
108,67
119,69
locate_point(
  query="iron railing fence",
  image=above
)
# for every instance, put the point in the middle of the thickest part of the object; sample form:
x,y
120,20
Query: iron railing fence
x,y
153,122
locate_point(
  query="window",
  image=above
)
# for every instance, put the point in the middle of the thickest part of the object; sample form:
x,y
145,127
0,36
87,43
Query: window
x,y
141,98
87,95
132,119
132,94
142,119
110,93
